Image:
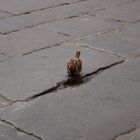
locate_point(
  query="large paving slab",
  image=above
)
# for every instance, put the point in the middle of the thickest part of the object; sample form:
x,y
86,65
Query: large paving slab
x,y
124,42
8,132
28,40
24,76
24,6
38,17
61,12
81,26
127,12
105,107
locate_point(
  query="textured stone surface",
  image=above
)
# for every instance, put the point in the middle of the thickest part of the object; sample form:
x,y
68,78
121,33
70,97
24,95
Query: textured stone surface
x,y
7,132
81,26
99,5
33,60
23,76
39,17
24,6
127,12
124,42
28,40
105,107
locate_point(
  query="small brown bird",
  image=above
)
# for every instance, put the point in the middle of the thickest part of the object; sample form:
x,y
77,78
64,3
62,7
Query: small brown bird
x,y
74,66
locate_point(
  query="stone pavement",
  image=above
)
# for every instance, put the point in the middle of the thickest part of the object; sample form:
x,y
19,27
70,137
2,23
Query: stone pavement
x,y
37,101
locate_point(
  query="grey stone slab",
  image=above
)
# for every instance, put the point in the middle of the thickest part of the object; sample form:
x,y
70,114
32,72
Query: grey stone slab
x,y
38,17
81,26
81,7
25,76
23,6
29,40
8,132
124,42
106,106
21,22
127,12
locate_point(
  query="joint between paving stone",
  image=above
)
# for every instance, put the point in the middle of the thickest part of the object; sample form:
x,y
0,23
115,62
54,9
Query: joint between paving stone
x,y
44,22
53,6
98,33
43,48
99,50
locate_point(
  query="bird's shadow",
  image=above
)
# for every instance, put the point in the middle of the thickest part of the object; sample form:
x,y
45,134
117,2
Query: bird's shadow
x,y
74,80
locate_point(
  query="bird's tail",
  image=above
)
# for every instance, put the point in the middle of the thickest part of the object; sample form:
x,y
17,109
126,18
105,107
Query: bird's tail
x,y
78,54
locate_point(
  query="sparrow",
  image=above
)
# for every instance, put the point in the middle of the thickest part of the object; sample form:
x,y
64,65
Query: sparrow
x,y
74,66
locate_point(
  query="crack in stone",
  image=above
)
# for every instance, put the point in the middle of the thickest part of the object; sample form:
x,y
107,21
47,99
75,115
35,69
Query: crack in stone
x,y
124,133
74,81
69,82
21,130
